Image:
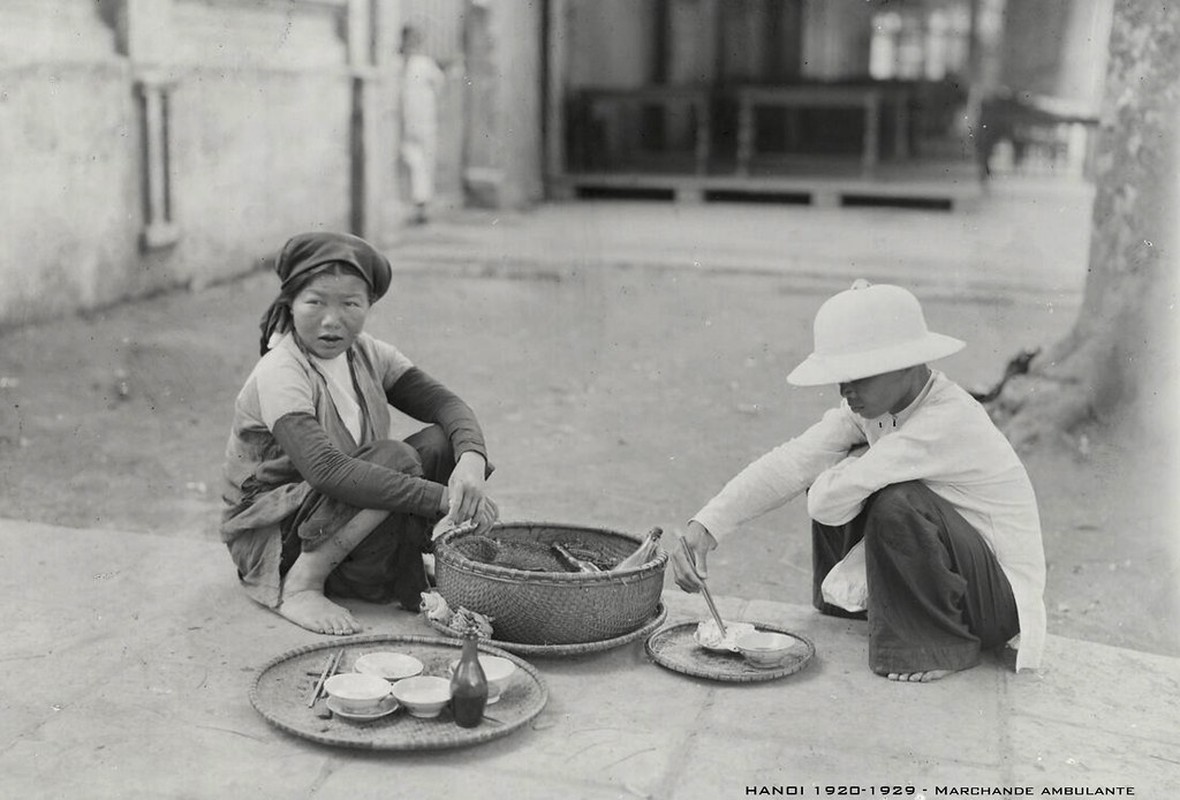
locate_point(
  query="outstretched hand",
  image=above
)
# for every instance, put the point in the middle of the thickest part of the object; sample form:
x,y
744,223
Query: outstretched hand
x,y
700,542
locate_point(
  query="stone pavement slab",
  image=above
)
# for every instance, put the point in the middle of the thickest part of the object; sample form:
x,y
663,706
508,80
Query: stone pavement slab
x,y
128,658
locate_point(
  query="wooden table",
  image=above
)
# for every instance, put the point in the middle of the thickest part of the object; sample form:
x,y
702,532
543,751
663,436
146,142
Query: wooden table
x,y
870,99
608,102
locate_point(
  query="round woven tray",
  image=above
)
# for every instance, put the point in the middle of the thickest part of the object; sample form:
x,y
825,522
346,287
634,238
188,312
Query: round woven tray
x,y
674,648
281,690
569,650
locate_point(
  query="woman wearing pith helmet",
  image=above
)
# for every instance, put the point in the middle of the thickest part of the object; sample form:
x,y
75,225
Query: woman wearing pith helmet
x,y
923,517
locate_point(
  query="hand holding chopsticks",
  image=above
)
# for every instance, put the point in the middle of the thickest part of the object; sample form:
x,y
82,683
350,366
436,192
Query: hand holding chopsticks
x,y
330,668
704,587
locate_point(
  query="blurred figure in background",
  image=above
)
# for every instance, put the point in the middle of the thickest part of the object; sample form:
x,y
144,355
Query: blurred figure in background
x,y
422,81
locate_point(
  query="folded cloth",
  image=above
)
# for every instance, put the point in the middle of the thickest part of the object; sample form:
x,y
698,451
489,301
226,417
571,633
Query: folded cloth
x,y
846,585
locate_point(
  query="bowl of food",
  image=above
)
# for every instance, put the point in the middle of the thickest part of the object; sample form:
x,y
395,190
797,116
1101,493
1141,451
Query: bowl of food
x,y
357,693
497,670
390,666
423,695
765,649
708,635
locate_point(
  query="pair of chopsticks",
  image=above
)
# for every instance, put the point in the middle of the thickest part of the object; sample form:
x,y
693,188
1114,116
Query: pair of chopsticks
x,y
692,562
330,668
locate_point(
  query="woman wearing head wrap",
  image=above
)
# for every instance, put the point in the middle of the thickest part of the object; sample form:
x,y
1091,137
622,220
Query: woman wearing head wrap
x,y
319,500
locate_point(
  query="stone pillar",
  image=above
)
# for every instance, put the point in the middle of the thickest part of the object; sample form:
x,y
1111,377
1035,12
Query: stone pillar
x,y
372,28
382,103
365,129
483,174
143,30
556,67
503,164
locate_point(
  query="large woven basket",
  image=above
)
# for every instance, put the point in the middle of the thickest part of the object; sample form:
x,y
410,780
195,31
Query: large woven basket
x,y
548,608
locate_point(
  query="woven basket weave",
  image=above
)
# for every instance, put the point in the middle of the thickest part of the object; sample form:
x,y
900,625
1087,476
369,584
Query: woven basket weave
x,y
549,608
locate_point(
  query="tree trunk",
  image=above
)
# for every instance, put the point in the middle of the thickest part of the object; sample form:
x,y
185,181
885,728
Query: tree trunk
x,y
1118,364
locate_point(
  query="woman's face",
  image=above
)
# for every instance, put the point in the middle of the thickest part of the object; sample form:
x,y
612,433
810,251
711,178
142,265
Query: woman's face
x,y
329,313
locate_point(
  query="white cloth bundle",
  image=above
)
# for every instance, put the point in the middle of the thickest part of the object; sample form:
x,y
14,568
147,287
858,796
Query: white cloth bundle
x,y
846,585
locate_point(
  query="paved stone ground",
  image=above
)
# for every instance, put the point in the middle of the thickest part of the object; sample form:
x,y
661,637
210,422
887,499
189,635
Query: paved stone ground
x,y
1028,236
128,659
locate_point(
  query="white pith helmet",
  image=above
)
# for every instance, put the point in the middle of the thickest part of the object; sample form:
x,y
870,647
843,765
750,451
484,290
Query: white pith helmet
x,y
869,330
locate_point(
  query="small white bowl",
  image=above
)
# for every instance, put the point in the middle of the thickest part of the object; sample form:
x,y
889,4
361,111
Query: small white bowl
x,y
423,695
356,693
765,649
390,666
496,669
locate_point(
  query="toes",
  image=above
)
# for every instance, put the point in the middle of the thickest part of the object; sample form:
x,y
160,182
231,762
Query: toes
x,y
343,626
919,677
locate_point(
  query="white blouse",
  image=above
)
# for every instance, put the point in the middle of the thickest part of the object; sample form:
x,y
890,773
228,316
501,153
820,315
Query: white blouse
x,y
338,375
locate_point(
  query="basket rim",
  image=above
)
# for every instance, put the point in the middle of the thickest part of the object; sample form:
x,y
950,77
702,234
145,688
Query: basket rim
x,y
451,556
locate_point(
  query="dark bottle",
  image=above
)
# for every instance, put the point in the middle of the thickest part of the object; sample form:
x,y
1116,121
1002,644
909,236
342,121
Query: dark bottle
x,y
572,562
469,686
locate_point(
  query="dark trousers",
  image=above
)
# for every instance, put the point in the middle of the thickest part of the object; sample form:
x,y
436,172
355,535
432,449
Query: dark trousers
x,y
936,594
387,564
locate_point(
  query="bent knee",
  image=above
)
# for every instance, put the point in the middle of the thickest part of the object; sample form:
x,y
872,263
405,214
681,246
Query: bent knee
x,y
432,442
892,511
394,454
896,499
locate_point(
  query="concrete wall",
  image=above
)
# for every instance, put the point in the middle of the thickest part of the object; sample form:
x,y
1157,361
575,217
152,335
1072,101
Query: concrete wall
x,y
281,116
259,105
67,160
261,131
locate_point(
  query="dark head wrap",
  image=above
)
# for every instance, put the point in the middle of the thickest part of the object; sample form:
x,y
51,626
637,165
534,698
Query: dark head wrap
x,y
307,255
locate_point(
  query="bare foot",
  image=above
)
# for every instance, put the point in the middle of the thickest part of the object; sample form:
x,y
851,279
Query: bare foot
x,y
301,597
308,608
920,677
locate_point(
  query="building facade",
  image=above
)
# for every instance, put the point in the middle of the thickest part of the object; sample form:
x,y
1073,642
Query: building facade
x,y
701,98
150,144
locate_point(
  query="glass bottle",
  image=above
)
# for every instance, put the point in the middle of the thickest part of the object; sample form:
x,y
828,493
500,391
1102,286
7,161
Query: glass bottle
x,y
469,686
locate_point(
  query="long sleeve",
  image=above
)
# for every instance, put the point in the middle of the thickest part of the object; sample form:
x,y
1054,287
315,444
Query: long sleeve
x,y
350,480
781,474
920,450
425,399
